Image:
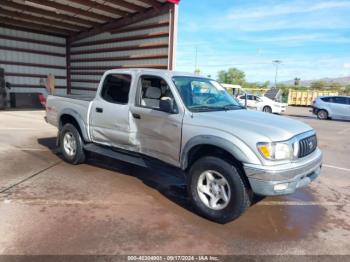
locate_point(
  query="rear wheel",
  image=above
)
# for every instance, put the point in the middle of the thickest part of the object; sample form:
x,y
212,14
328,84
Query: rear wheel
x,y
267,109
217,190
322,114
71,145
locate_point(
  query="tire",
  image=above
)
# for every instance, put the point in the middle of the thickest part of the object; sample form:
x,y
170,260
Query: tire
x,y
322,114
71,145
267,109
257,198
236,190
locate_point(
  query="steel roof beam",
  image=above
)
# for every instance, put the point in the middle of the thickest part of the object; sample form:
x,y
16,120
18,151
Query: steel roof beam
x,y
47,13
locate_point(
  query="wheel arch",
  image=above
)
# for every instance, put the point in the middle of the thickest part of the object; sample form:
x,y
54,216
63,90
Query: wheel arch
x,y
210,145
267,106
72,117
328,111
325,109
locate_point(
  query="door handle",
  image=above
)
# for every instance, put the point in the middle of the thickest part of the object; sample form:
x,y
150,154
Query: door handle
x,y
137,116
99,110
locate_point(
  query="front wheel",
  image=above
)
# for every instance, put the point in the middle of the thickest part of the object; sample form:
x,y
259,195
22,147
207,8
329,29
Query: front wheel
x,y
217,190
71,145
267,109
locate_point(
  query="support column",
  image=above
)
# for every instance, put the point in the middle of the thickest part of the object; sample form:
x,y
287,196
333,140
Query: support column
x,y
69,87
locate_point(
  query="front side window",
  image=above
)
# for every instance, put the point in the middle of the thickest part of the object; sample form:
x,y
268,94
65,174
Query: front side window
x,y
152,90
116,88
202,94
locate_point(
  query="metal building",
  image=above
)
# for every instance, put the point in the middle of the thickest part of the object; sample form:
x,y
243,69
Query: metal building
x,y
77,40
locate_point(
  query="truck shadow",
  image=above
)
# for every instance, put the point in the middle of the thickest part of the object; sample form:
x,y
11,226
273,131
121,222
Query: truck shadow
x,y
280,218
169,181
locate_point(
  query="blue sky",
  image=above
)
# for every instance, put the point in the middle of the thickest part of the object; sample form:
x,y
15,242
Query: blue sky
x,y
311,37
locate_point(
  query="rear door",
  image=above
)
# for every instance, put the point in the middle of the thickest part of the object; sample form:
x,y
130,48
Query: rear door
x,y
109,117
158,133
340,107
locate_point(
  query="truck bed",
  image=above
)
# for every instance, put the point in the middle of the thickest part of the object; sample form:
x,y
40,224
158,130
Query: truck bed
x,y
78,97
75,104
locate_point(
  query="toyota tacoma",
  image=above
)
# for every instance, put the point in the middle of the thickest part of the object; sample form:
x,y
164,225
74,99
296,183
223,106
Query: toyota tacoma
x,y
229,154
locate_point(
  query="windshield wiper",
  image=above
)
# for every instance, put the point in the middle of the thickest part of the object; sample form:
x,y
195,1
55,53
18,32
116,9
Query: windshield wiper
x,y
232,107
206,108
216,108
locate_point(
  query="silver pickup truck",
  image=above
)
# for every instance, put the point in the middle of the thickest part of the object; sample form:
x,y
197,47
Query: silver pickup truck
x,y
228,153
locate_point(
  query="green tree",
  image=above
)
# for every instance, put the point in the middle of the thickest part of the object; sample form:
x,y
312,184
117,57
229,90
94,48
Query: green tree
x,y
347,90
318,84
335,85
266,84
231,76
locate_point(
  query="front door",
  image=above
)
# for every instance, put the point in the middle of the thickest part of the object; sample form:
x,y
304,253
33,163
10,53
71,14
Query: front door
x,y
251,103
158,132
109,121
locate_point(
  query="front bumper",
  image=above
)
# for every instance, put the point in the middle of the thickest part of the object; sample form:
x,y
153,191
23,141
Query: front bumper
x,y
278,110
284,179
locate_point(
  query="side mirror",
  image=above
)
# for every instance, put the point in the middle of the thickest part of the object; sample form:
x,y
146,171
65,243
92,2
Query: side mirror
x,y
166,104
8,85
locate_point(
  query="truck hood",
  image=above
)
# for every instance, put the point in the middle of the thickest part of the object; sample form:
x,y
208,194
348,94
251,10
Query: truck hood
x,y
246,123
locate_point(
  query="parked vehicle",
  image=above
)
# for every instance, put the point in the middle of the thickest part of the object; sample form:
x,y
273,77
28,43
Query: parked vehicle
x,y
262,103
334,107
227,152
235,90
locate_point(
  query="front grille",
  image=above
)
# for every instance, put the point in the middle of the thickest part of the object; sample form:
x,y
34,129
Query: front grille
x,y
307,146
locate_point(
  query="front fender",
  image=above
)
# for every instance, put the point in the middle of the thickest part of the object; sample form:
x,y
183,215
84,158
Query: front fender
x,y
244,155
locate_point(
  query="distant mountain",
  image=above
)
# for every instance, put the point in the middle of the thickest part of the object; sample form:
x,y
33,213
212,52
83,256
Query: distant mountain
x,y
341,80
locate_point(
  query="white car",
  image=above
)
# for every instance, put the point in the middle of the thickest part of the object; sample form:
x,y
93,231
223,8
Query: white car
x,y
262,103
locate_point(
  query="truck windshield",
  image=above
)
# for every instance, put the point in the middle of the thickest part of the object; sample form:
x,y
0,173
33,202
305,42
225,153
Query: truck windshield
x,y
202,94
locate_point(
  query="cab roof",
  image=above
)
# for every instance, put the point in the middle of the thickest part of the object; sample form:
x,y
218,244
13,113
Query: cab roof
x,y
169,73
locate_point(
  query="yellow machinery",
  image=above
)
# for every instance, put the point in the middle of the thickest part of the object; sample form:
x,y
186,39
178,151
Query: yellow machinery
x,y
305,97
256,91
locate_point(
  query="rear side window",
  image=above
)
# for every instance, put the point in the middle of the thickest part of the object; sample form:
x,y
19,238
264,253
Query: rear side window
x,y
341,100
116,88
336,99
329,99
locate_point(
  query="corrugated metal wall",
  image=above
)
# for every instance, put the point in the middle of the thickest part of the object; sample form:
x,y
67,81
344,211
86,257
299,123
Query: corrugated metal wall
x,y
27,57
144,44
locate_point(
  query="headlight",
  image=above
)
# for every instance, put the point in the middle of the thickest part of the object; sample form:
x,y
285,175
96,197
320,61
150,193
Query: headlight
x,y
276,151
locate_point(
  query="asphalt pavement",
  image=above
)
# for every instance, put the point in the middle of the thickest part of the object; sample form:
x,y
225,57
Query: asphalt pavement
x,y
108,207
